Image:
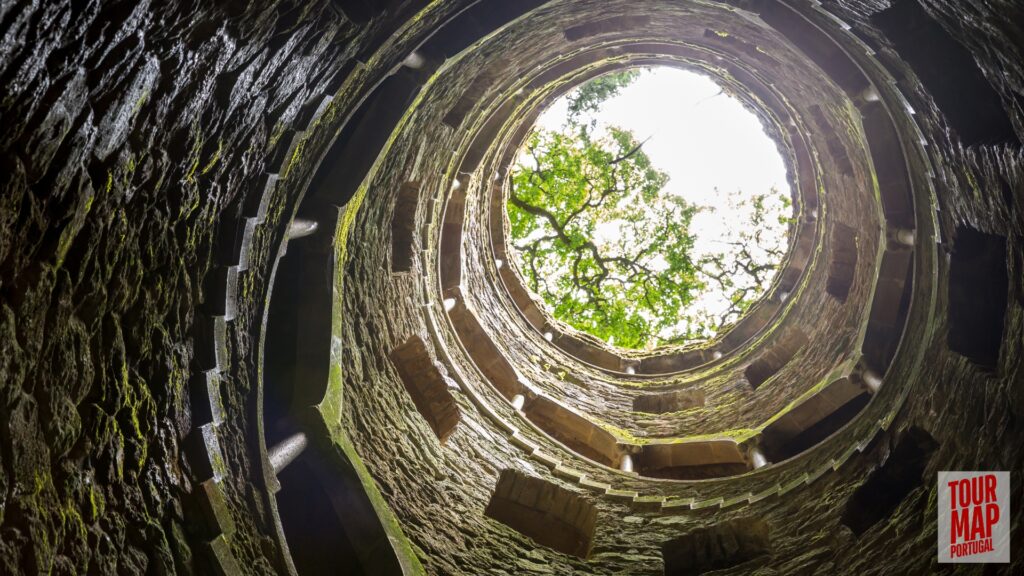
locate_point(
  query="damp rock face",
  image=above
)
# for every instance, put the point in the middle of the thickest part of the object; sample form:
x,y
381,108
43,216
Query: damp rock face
x,y
152,157
131,131
716,547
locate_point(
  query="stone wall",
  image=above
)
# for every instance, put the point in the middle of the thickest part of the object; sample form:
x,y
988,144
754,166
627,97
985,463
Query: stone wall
x,y
154,155
133,134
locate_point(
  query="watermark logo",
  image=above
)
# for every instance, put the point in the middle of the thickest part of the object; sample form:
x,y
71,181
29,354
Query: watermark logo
x,y
974,517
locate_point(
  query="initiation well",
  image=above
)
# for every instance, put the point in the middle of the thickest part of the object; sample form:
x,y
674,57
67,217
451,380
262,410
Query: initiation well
x,y
258,316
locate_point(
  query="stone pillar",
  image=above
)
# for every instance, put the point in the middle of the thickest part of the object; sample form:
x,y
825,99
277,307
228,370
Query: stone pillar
x,y
287,451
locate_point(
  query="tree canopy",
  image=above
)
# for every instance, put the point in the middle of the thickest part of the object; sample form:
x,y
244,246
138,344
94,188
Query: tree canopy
x,y
608,250
588,98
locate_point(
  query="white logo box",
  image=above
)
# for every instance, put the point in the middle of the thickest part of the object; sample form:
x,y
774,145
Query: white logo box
x,y
974,517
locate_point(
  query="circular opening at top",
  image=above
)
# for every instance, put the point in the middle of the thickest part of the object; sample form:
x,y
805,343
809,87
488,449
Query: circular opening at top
x,y
649,207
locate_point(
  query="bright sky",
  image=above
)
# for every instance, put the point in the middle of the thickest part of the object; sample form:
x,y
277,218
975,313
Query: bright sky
x,y
704,140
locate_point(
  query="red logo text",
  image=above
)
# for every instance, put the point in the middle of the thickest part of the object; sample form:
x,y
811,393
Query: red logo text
x,y
974,512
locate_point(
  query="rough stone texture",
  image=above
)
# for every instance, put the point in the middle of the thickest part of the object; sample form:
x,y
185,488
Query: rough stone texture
x,y
136,136
427,386
731,403
132,134
551,516
720,546
819,544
